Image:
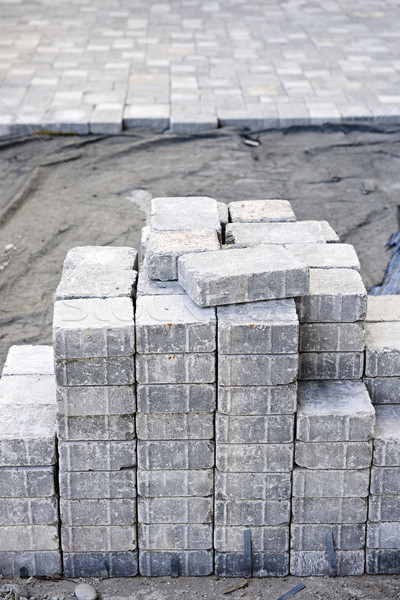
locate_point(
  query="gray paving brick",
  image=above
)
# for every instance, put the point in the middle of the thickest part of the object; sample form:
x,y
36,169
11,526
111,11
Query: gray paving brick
x,y
332,337
314,483
333,455
387,436
242,275
23,538
175,536
98,538
96,400
248,512
155,116
89,283
335,295
331,365
30,482
93,564
334,411
253,486
93,327
101,258
383,390
29,360
97,484
37,564
175,510
331,237
383,535
192,563
329,510
245,235
150,287
28,511
160,456
96,427
97,455
111,512
313,537
268,564
184,213
163,248
263,539
271,429
261,211
27,390
170,323
329,256
269,327
182,122
176,398
114,370
175,426
383,308
310,564
383,561
262,369
154,484
382,352
383,508
257,400
385,481
257,458
175,368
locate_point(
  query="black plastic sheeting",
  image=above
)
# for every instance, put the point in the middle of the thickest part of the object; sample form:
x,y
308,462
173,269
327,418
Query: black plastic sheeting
x,y
391,280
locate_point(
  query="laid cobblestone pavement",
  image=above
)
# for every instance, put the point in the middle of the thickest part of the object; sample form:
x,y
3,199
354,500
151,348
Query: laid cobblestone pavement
x,y
102,65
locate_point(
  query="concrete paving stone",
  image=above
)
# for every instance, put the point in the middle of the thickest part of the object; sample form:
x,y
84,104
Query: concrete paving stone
x,y
25,538
334,411
96,427
383,508
316,563
104,258
261,211
253,486
383,390
329,510
93,327
96,400
265,564
155,116
150,287
313,537
382,352
331,365
387,436
97,455
191,563
383,308
93,564
155,484
176,398
257,400
115,370
175,455
335,295
98,484
383,561
269,327
29,511
184,213
263,539
67,120
173,323
271,429
98,538
177,536
332,337
29,482
254,458
110,512
37,564
192,122
331,237
242,275
163,248
385,481
251,513
106,118
314,483
261,369
29,360
28,390
88,283
383,535
175,368
175,510
329,256
333,455
244,235
175,426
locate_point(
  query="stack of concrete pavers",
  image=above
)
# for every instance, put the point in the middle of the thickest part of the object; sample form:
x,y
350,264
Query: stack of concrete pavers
x,y
29,523
335,424
94,346
257,370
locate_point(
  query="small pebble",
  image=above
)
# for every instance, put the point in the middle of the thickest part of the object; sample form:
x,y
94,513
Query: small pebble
x,y
9,247
84,591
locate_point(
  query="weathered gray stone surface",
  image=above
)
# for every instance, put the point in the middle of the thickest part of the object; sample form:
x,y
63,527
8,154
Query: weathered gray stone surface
x,y
383,508
22,538
328,256
29,360
184,213
163,248
271,429
93,327
332,337
97,455
37,564
175,426
93,564
89,283
105,511
150,287
257,400
334,411
173,323
383,390
144,234
242,275
383,308
175,510
264,564
244,235
387,436
382,352
333,455
263,486
329,510
310,564
96,427
192,455
331,365
101,258
269,327
29,482
262,369
254,458
223,213
192,563
28,390
383,534
263,539
175,536
98,484
331,237
175,368
251,513
114,370
313,537
261,211
96,400
347,483
383,562
176,398
385,481
28,511
98,539
153,484
335,295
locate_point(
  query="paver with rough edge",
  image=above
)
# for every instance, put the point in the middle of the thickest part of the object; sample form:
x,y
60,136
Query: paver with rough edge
x,y
329,510
264,564
96,400
96,455
244,235
257,400
96,511
310,537
387,436
332,337
153,484
89,283
251,513
263,486
76,485
324,483
382,349
329,256
176,398
312,563
331,237
261,211
271,429
383,308
175,536
383,390
333,455
39,564
175,426
194,563
331,365
184,213
175,510
151,287
29,360
263,539
101,258
93,564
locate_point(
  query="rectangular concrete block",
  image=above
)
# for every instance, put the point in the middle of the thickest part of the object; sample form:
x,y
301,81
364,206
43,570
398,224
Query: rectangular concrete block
x,y
261,211
184,213
27,391
263,539
271,429
257,400
166,324
308,483
387,436
30,482
29,360
332,337
175,536
244,235
385,481
334,411
160,456
175,426
383,535
257,458
34,564
94,564
383,308
383,390
269,327
89,401
383,508
98,484
97,456
105,258
264,564
331,237
383,562
23,538
175,368
382,352
242,275
253,486
313,537
329,256
153,484
331,365
261,369
329,510
335,295
178,398
175,510
151,287
110,512
316,563
117,370
252,513
89,283
28,511
98,538
96,427
333,455
191,563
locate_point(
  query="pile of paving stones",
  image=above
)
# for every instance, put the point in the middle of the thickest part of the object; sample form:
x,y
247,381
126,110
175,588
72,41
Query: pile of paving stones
x,y
211,414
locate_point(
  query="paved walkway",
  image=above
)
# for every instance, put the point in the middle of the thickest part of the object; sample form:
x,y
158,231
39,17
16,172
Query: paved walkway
x,y
99,65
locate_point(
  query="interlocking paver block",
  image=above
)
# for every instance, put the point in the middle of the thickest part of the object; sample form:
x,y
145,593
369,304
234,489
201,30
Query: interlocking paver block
x,y
242,275
309,537
310,564
29,360
163,248
255,458
155,484
166,324
264,564
175,510
98,538
329,510
176,398
274,486
333,455
244,235
175,368
257,400
37,564
383,508
383,308
248,512
263,539
150,287
383,535
383,562
176,536
101,258
96,400
328,256
331,365
191,563
262,369
98,484
162,455
382,352
314,483
105,511
114,370
331,237
383,390
28,511
97,455
25,390
271,429
89,283
332,337
184,213
30,482
385,481
269,327
387,436
261,211
96,427
93,564
22,538
175,426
